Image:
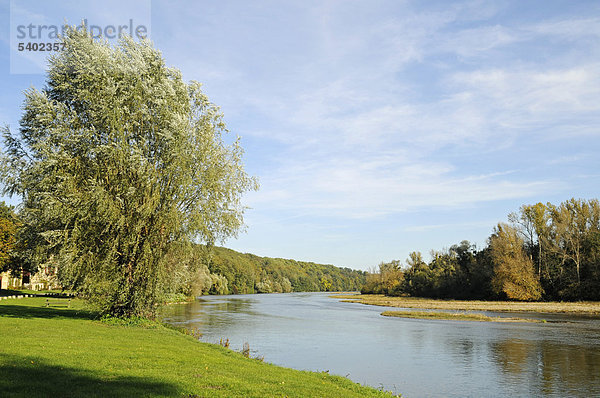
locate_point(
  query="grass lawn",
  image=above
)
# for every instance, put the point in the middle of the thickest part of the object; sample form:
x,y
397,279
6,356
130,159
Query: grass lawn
x,y
66,352
582,308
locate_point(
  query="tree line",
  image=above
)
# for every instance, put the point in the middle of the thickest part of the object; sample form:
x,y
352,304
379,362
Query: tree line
x,y
544,252
248,273
202,269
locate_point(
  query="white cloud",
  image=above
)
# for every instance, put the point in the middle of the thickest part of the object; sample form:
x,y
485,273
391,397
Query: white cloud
x,y
360,145
370,187
476,42
534,100
571,29
363,131
450,226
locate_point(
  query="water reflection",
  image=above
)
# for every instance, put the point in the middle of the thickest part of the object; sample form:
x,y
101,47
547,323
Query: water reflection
x,y
511,355
418,358
210,314
562,369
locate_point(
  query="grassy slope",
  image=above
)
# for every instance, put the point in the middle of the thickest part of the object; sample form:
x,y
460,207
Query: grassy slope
x,y
64,352
584,308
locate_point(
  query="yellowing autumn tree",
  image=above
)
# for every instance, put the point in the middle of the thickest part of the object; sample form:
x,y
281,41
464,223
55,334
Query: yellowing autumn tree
x,y
514,276
8,232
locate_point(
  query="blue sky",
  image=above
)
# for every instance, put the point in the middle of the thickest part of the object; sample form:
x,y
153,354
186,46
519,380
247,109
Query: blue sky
x,y
382,127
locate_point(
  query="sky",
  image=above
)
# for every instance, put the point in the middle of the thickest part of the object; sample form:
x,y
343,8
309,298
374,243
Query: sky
x,y
376,128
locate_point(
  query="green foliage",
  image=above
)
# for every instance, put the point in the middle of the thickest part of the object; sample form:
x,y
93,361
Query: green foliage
x,y
176,298
460,272
387,280
565,248
134,321
550,252
247,273
219,284
120,163
325,283
514,276
8,235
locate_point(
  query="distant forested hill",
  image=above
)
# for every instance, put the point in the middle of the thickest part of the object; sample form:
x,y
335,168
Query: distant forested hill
x,y
240,273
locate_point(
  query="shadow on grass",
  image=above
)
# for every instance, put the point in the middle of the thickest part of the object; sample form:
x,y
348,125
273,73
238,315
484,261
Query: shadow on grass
x,y
35,310
9,292
29,377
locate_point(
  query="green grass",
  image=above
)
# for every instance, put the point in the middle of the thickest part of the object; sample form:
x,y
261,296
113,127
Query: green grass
x,y
457,316
68,352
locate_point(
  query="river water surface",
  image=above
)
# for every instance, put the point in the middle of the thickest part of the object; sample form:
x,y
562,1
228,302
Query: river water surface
x,y
414,357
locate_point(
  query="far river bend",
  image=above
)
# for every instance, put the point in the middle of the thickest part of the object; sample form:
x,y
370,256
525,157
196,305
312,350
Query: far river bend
x,y
414,357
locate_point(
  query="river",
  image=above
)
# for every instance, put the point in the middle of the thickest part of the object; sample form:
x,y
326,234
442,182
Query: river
x,y
414,357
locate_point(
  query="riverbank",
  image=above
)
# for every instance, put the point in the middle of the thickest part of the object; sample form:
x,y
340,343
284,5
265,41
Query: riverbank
x,y
460,316
576,308
66,351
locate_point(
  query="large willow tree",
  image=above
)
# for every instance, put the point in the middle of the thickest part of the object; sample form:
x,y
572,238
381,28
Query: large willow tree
x,y
120,163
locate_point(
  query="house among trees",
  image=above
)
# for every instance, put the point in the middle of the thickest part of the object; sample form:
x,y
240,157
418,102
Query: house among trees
x,y
4,280
44,279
